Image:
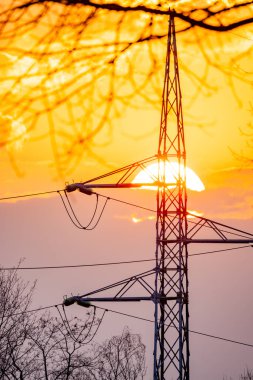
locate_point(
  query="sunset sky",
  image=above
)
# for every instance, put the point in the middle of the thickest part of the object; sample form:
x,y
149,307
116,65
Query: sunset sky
x,y
218,110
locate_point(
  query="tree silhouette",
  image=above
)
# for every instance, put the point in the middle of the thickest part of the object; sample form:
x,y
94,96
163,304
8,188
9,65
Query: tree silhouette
x,y
248,375
69,68
15,299
41,346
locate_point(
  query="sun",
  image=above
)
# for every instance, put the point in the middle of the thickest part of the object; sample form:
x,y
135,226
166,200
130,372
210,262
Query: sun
x,y
172,172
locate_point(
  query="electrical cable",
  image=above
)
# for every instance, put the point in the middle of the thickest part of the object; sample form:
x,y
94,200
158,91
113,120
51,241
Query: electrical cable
x,y
74,214
221,338
126,203
99,324
189,221
67,325
31,311
75,221
138,318
80,226
92,323
117,262
67,211
130,204
191,331
77,266
220,250
30,195
62,190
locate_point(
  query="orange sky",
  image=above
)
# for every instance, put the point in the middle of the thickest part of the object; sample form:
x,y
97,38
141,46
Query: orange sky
x,y
44,235
213,125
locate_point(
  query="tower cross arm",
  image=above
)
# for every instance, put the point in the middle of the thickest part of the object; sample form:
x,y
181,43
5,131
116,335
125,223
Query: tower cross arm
x,y
223,233
208,241
86,301
87,188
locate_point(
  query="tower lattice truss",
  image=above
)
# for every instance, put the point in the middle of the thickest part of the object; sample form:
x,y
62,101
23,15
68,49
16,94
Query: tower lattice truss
x,y
166,284
171,352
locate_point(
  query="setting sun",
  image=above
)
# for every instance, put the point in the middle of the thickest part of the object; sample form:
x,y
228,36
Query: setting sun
x,y
172,172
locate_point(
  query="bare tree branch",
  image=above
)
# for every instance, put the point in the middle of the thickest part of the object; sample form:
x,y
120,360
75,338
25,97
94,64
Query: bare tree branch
x,y
208,13
46,347
75,66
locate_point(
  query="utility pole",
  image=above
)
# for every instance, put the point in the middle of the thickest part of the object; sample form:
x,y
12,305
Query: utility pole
x,y
166,285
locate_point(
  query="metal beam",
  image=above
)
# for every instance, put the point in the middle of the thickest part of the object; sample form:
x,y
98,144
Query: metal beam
x,y
207,241
119,299
82,187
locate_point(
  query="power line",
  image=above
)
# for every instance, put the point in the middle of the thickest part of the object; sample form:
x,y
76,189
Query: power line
x,y
31,311
79,265
134,317
191,331
88,325
221,338
62,190
30,195
73,217
116,262
126,203
220,250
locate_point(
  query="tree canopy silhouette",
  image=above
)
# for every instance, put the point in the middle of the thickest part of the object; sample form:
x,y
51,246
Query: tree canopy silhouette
x,y
44,346
69,68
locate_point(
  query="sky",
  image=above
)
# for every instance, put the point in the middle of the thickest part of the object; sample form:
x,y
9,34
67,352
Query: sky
x,y
38,230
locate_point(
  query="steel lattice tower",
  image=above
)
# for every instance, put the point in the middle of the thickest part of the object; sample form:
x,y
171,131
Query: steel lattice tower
x,y
166,285
171,316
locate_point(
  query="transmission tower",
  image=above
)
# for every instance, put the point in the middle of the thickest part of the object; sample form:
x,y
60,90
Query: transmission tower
x,y
171,345
166,285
